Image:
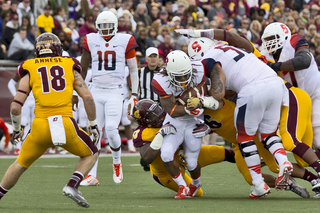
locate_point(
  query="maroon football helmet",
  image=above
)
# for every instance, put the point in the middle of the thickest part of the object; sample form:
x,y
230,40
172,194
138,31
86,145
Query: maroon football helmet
x,y
148,113
48,44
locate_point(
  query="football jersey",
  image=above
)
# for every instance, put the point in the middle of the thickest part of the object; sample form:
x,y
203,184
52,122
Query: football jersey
x,y
307,79
108,58
162,86
51,81
239,66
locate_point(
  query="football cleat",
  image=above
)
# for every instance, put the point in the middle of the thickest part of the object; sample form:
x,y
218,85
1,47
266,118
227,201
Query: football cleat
x,y
193,190
299,190
63,152
75,195
315,185
283,178
89,180
108,149
259,190
16,151
317,195
183,192
117,173
52,150
132,149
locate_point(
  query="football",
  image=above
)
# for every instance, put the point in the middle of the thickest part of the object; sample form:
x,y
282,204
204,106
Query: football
x,y
190,92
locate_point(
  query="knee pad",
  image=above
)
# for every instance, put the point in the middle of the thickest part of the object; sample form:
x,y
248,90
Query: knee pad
x,y
248,148
113,137
271,140
192,165
167,156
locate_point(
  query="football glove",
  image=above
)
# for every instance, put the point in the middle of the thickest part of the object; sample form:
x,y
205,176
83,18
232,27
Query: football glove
x,y
189,33
193,103
201,130
17,136
182,159
96,134
131,102
195,112
167,129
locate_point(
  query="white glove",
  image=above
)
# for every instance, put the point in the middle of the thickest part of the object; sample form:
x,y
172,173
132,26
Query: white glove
x,y
167,129
189,32
131,102
93,129
17,136
196,112
201,130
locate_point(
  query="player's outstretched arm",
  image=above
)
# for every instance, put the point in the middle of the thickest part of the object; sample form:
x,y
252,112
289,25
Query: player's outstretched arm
x,y
168,103
218,79
81,88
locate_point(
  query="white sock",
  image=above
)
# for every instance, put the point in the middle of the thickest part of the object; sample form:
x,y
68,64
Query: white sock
x,y
130,143
197,181
116,155
179,180
93,170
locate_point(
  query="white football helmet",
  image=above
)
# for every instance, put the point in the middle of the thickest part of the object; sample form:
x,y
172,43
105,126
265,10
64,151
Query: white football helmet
x,y
107,21
275,36
199,46
179,68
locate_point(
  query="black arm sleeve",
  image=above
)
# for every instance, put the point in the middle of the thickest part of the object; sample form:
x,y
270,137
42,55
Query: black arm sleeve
x,y
301,60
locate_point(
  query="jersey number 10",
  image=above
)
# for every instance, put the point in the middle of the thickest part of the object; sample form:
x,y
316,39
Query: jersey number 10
x,y
108,59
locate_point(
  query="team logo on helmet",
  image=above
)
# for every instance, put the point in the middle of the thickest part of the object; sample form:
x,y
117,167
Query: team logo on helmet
x,y
196,46
136,114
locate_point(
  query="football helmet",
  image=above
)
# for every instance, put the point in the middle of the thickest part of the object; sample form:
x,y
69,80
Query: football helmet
x,y
148,113
275,36
179,68
107,24
48,44
199,46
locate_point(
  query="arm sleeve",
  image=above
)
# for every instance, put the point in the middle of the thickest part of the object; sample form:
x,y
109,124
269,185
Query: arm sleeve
x,y
133,71
12,88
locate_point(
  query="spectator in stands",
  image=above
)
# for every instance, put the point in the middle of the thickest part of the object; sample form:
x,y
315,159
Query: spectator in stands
x,y
317,22
184,47
24,9
232,9
122,27
163,30
316,39
255,31
304,15
177,39
213,25
20,47
33,33
71,24
314,2
143,43
10,29
161,59
63,38
315,10
39,5
200,24
152,34
4,5
140,15
83,12
88,26
130,22
312,30
59,3
73,50
166,46
45,21
13,7
169,9
72,8
154,13
164,17
181,12
4,18
60,19
291,23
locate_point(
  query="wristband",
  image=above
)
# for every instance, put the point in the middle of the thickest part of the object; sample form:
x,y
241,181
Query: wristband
x,y
93,123
157,142
16,122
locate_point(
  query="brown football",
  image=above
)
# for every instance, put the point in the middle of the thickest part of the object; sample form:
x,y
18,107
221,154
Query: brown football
x,y
190,92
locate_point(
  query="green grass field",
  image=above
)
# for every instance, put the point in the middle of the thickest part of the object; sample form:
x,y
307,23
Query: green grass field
x,y
40,190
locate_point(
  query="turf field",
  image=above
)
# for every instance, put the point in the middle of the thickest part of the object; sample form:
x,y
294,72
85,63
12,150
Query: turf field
x,y
40,190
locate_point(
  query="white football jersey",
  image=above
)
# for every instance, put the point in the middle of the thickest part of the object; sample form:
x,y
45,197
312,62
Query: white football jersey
x,y
239,66
162,86
108,58
307,79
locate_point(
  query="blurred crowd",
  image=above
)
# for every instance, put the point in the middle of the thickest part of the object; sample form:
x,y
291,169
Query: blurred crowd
x,y
152,22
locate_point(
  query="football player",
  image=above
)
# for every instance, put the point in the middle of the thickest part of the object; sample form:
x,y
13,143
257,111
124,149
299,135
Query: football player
x,y
149,136
297,114
52,79
297,65
109,52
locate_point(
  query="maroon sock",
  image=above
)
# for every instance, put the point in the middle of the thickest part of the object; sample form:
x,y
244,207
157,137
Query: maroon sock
x,y
229,155
75,180
3,191
318,154
300,149
316,166
309,176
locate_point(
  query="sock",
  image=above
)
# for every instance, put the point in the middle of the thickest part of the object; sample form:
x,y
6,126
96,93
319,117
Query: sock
x,y
76,179
318,154
309,176
130,143
3,191
179,180
275,147
229,155
116,155
196,181
94,169
316,166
